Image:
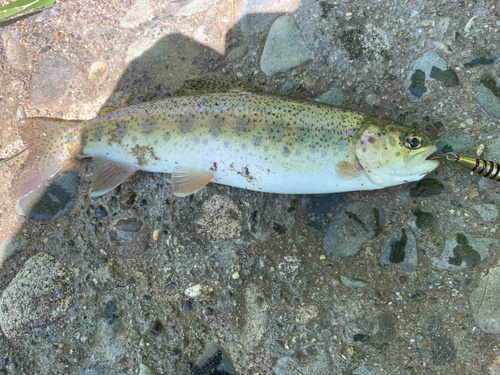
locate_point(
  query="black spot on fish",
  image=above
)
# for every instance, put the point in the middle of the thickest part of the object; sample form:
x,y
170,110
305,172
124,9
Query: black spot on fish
x,y
166,136
134,140
148,127
286,152
216,125
120,131
185,123
257,140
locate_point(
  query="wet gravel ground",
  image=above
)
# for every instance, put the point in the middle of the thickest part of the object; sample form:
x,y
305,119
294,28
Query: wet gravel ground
x,y
236,282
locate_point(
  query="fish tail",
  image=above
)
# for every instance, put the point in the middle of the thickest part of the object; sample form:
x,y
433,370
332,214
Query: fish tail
x,y
53,145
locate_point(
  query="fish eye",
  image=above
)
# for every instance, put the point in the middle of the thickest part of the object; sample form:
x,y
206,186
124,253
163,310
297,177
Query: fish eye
x,y
413,141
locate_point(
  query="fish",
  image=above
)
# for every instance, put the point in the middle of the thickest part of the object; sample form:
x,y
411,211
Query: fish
x,y
249,140
488,169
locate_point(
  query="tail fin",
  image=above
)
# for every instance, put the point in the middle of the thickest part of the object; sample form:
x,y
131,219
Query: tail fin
x,y
53,145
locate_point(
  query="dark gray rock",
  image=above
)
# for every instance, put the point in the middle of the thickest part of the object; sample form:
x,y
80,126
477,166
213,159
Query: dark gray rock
x,y
39,294
417,87
318,207
214,360
442,348
52,200
480,60
354,283
426,188
50,80
401,250
422,221
354,225
454,144
284,48
382,328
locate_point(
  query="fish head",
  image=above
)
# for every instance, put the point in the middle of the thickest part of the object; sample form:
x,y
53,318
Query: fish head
x,y
392,154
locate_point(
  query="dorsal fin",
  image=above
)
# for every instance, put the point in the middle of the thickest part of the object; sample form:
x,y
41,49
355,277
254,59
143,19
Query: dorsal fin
x,y
207,84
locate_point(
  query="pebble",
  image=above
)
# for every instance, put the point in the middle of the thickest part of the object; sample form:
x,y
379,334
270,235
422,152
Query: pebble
x,y
40,293
464,251
214,360
15,52
187,306
45,49
97,71
287,86
11,245
354,283
198,291
146,370
430,67
52,200
401,250
290,267
422,221
354,225
50,80
284,48
141,12
100,212
333,97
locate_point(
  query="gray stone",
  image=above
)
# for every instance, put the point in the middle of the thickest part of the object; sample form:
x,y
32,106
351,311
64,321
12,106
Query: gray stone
x,y
382,328
485,303
426,188
146,370
141,12
214,360
39,294
401,250
487,211
11,245
15,52
52,200
256,316
50,80
463,250
442,348
195,6
308,359
488,100
284,48
334,97
422,221
354,283
287,86
354,225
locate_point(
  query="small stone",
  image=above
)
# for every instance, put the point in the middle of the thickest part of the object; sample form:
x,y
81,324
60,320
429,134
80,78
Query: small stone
x,y
333,97
128,225
97,71
100,212
354,283
462,250
187,306
473,194
235,276
39,294
199,291
11,245
479,60
45,49
90,227
401,250
15,52
146,370
128,199
287,86
422,221
141,12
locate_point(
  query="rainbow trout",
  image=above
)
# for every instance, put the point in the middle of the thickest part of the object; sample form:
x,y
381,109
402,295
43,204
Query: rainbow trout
x,y
253,141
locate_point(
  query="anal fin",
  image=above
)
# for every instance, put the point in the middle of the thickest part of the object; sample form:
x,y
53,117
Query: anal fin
x,y
347,171
108,174
186,180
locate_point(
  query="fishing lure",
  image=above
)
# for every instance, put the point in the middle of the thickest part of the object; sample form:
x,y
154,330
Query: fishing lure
x,y
485,168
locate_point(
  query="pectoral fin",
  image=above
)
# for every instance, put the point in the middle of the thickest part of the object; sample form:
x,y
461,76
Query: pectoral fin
x,y
108,175
186,180
347,171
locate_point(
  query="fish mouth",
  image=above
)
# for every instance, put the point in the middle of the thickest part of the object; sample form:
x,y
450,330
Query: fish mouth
x,y
426,160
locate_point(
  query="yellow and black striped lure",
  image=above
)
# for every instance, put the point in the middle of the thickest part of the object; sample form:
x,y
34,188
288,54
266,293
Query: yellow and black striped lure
x,y
485,168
